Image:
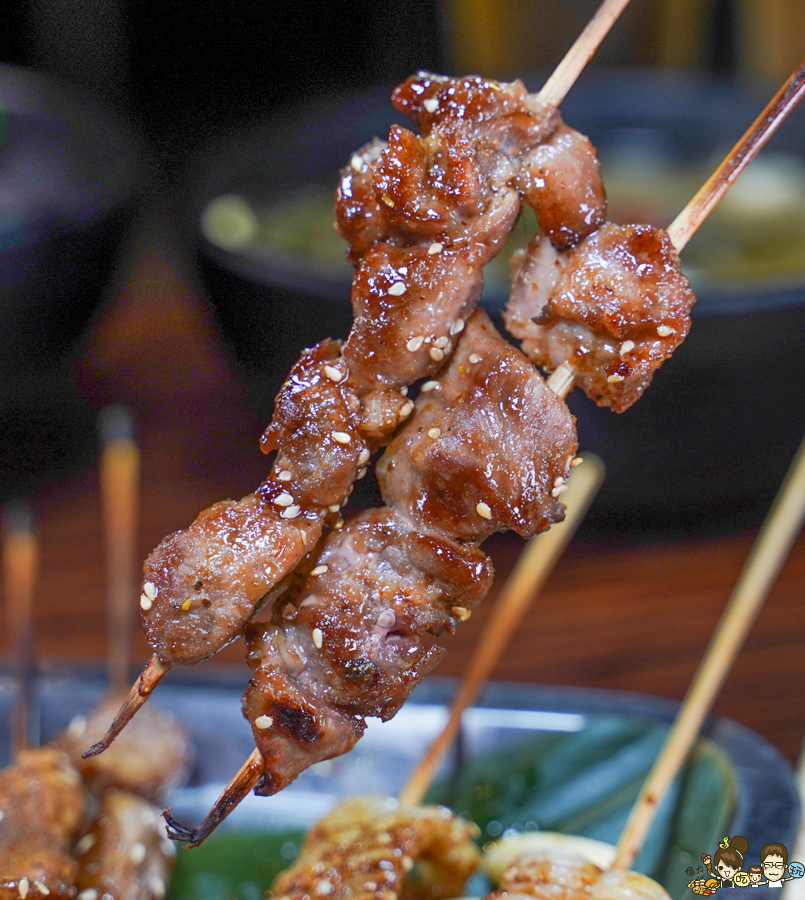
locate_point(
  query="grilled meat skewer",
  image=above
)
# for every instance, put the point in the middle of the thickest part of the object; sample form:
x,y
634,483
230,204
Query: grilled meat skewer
x,y
488,448
422,215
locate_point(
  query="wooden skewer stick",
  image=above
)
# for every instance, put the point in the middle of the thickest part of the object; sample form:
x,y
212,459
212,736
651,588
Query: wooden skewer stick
x,y
246,779
120,481
765,560
20,559
564,76
688,221
685,224
525,582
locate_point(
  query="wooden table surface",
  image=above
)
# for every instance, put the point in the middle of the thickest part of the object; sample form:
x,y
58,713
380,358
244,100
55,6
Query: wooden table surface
x,y
615,614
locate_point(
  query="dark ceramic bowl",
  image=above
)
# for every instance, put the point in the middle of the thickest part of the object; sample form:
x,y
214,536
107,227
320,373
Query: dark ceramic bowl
x,y
70,177
711,439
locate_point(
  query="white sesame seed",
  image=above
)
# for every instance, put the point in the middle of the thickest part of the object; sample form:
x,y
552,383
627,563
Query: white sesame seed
x,y
461,613
334,508
435,248
415,343
22,887
363,457
138,852
145,603
457,327
441,342
263,722
157,886
43,889
341,437
361,473
339,525
434,433
404,391
88,894
436,354
333,374
626,347
291,512
284,475
2,815
474,358
558,480
397,289
429,386
613,379
665,330
406,409
483,510
356,162
150,590
304,535
320,570
318,637
283,499
557,491
431,104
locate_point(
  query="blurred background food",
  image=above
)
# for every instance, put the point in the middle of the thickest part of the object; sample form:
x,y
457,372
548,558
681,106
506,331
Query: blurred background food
x,y
634,602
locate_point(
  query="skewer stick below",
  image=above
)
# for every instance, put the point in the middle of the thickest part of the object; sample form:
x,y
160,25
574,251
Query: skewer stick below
x,y
247,777
525,582
120,478
685,224
564,76
765,560
20,558
149,678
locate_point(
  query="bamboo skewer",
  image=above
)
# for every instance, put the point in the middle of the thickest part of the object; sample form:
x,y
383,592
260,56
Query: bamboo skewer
x,y
769,552
782,103
119,479
564,76
20,561
523,585
693,215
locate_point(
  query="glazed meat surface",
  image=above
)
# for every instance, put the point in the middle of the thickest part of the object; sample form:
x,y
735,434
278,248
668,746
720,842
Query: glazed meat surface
x,y
153,755
422,215
371,849
488,449
613,309
560,181
125,854
355,635
42,800
561,874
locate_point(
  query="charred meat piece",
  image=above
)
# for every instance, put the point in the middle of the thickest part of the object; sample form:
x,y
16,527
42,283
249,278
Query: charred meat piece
x,y
201,584
561,183
612,309
153,755
42,800
354,637
488,449
371,849
125,854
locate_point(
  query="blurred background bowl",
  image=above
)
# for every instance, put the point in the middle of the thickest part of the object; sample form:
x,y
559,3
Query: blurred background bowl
x,y
70,178
716,430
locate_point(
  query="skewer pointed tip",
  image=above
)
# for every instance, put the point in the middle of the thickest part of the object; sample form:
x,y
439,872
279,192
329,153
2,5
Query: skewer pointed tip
x,y
150,677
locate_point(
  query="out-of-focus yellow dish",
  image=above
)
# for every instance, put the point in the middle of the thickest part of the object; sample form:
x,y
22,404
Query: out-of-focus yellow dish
x,y
756,233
